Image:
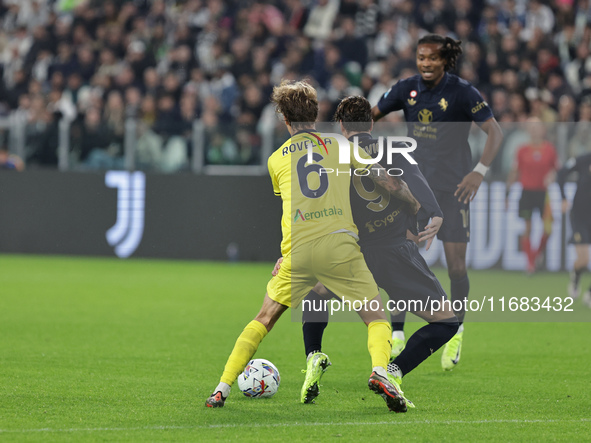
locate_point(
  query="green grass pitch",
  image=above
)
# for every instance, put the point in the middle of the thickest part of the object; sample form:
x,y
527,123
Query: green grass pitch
x,y
114,350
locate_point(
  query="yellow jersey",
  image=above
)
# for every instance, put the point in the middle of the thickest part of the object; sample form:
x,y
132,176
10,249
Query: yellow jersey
x,y
315,196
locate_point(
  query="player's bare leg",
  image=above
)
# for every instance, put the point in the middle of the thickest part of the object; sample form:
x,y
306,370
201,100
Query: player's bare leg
x,y
547,220
270,312
527,247
245,347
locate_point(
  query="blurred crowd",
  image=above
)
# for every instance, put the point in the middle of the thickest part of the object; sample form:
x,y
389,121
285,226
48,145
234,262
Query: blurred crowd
x,y
94,64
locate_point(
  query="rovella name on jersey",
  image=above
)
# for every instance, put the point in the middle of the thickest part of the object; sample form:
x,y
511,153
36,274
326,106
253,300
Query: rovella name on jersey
x,y
308,144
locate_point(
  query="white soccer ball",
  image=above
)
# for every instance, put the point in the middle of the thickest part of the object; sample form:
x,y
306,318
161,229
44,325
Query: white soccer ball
x,y
259,379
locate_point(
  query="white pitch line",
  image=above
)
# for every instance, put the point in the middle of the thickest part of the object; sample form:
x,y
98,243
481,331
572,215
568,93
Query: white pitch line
x,y
276,425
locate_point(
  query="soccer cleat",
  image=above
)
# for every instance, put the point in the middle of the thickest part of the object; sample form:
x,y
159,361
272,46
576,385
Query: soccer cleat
x,y
587,298
451,352
573,289
318,363
397,347
215,400
389,390
393,379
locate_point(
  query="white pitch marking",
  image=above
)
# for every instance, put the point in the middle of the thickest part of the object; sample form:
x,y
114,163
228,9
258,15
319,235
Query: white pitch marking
x,y
276,425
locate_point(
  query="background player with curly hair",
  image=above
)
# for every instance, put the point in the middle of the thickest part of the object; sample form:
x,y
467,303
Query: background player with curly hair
x,y
433,101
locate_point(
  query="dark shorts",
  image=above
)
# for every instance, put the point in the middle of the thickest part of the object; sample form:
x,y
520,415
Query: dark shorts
x,y
581,224
530,201
400,270
456,218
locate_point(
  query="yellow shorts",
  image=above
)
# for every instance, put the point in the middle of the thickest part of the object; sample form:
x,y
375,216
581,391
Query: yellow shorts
x,y
334,260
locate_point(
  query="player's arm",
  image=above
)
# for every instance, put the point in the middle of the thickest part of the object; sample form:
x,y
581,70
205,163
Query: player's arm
x,y
389,102
274,181
468,188
277,266
395,186
376,114
424,195
511,178
561,176
417,184
551,176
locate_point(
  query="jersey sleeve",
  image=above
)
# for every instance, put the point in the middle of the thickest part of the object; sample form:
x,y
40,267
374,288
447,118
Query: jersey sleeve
x,y
555,161
418,186
519,159
276,189
569,167
392,100
478,109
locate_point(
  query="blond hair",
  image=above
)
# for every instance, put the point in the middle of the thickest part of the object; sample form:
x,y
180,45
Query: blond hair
x,y
297,101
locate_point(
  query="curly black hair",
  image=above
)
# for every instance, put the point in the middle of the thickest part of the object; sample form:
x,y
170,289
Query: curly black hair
x,y
451,49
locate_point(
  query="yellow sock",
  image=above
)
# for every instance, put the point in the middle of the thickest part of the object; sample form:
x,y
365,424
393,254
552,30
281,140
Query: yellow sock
x,y
379,342
245,347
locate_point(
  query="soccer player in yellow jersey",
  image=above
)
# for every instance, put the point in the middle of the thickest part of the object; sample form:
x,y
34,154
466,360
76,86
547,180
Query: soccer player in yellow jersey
x,y
319,240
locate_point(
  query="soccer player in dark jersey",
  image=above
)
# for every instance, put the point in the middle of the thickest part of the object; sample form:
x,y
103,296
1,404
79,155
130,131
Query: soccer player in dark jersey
x,y
535,166
580,219
439,106
394,261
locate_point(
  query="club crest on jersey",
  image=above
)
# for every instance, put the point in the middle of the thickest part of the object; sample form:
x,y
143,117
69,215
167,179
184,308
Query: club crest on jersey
x,y
411,100
444,104
425,116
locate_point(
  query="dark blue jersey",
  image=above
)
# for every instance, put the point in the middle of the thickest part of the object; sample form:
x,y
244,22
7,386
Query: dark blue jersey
x,y
439,121
379,216
581,205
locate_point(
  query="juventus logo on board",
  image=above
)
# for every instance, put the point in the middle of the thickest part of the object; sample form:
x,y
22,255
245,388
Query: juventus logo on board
x,y
126,234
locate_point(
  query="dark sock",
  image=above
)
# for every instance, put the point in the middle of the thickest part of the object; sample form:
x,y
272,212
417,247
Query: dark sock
x,y
398,321
425,342
313,336
577,276
315,321
529,251
459,291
